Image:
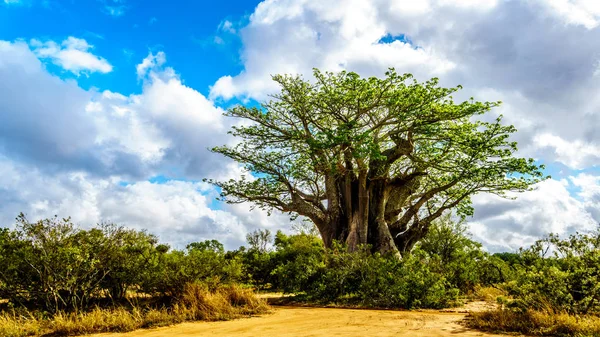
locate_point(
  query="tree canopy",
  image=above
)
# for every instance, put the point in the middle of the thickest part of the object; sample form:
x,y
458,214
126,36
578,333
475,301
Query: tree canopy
x,y
371,160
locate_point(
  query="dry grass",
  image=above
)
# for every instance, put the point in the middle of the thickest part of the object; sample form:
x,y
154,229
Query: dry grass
x,y
488,294
223,304
13,325
534,323
197,303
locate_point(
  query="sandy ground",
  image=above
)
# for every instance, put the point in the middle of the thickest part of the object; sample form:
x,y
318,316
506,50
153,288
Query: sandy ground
x,y
317,322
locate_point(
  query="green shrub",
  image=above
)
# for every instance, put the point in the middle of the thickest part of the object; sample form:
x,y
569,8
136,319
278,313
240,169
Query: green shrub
x,y
559,275
373,280
297,259
52,265
459,259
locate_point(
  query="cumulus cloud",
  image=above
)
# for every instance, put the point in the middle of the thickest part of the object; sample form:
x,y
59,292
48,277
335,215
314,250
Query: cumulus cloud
x,y
524,53
325,35
541,58
179,212
42,115
576,154
73,54
505,224
89,155
574,12
168,125
589,193
151,61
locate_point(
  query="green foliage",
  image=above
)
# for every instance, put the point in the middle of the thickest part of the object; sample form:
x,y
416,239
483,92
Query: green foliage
x,y
53,265
404,146
553,289
298,258
560,275
203,262
444,265
461,260
376,281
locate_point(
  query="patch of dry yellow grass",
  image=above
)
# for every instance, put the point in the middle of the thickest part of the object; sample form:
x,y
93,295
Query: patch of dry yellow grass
x,y
488,294
535,323
197,303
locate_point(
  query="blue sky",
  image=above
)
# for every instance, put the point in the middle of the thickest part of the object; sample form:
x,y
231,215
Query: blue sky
x,y
107,107
188,32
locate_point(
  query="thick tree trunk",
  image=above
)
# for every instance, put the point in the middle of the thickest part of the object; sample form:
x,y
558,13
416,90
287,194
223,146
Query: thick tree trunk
x,y
363,208
361,217
357,210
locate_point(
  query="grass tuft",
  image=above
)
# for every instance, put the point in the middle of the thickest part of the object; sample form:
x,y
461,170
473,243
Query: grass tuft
x,y
197,303
534,323
488,294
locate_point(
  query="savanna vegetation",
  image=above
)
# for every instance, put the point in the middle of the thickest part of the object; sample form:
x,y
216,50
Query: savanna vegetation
x,y
58,279
382,170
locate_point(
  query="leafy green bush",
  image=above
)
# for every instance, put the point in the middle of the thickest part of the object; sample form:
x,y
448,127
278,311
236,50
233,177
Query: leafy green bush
x,y
52,265
373,280
461,260
559,275
553,291
203,262
298,259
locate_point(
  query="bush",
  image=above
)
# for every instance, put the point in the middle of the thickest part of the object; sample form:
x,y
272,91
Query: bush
x,y
52,265
461,260
366,279
203,262
554,290
559,275
297,259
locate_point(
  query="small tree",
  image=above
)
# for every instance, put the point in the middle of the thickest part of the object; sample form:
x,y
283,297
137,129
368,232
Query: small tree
x,y
259,240
370,160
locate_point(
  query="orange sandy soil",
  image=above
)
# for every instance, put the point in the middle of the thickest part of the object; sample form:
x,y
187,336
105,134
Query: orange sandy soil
x,y
317,322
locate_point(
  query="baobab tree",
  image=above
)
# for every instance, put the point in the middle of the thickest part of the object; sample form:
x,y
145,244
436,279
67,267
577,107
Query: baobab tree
x,y
371,160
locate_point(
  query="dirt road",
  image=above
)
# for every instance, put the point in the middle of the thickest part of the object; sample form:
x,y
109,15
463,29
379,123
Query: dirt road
x,y
321,322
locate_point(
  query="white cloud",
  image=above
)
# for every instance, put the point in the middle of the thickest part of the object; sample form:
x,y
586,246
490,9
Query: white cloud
x,y
504,224
169,125
589,193
227,26
151,61
326,35
12,2
44,172
73,54
115,9
575,154
178,212
41,114
574,12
